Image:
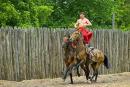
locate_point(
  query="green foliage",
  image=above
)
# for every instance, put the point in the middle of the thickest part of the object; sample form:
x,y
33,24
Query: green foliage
x,y
64,13
123,15
24,13
43,13
8,14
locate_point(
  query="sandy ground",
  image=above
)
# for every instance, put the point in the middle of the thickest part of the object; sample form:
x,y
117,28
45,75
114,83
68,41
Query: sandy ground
x,y
111,80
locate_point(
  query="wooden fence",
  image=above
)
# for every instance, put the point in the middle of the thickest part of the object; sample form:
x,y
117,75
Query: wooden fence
x,y
37,53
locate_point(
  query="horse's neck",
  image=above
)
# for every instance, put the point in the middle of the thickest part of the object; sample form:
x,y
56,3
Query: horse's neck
x,y
80,46
69,50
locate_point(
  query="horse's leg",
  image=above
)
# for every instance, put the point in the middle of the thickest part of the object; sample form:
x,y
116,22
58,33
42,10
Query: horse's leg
x,y
66,71
77,68
69,69
78,72
79,63
70,72
85,70
71,78
96,75
94,70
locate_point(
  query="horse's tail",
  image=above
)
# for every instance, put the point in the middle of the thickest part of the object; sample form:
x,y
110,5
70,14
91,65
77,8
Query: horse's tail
x,y
106,62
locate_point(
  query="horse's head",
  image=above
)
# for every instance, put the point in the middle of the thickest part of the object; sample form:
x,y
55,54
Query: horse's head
x,y
75,36
68,40
68,46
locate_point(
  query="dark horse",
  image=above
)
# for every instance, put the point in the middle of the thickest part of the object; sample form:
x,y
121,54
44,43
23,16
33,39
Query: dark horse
x,y
75,55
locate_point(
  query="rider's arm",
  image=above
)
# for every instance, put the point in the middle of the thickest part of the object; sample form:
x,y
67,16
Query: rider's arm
x,y
76,25
88,23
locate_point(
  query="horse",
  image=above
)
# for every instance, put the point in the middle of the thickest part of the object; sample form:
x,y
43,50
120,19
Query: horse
x,y
95,57
75,55
69,58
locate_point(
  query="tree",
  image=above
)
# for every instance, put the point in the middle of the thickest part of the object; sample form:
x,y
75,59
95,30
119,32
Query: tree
x,y
24,13
123,14
66,12
8,15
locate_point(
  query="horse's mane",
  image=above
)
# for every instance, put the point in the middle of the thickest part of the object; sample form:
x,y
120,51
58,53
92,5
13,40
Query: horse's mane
x,y
81,38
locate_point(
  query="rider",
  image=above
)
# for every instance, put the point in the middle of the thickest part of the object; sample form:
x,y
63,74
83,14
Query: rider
x,y
80,25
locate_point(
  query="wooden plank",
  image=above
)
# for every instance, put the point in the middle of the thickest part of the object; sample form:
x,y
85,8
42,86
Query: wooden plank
x,y
103,49
51,53
10,54
128,51
33,41
46,55
1,65
23,55
4,70
59,52
30,62
110,50
125,52
54,54
121,52
43,55
7,62
39,53
28,57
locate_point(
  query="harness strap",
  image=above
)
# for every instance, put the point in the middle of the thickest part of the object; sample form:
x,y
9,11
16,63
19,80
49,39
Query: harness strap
x,y
90,52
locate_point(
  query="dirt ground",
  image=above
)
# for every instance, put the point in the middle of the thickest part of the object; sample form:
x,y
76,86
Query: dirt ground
x,y
111,80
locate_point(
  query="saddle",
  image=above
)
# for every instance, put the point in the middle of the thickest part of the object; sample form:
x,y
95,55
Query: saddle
x,y
91,54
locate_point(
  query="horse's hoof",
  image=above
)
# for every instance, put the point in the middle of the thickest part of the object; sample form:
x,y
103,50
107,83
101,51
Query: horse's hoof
x,y
63,79
93,81
78,75
71,83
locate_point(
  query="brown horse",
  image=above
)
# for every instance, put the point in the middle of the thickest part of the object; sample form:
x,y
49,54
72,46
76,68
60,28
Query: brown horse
x,y
97,59
94,57
69,59
75,55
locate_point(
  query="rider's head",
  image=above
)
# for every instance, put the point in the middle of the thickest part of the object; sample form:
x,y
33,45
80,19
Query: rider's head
x,y
82,15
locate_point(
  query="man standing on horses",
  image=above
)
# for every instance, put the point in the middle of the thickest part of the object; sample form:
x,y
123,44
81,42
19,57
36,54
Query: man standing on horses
x,y
81,26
